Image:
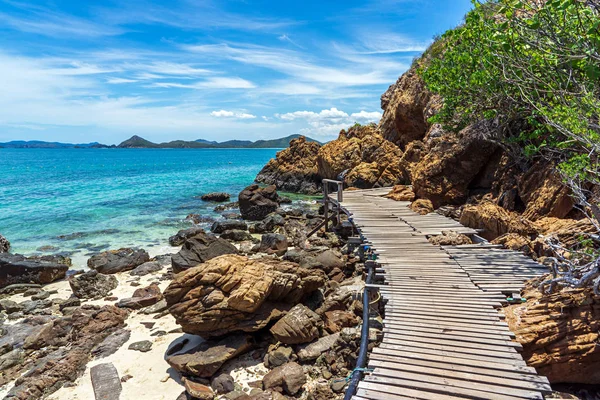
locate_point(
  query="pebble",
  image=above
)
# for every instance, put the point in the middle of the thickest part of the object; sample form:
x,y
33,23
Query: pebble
x,y
125,378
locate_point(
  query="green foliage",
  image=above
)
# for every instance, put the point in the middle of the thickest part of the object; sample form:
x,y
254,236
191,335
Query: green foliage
x,y
529,61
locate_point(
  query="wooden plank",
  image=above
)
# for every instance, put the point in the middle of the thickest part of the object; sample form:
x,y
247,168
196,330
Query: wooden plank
x,y
445,324
453,340
445,388
514,380
455,364
375,391
456,345
458,382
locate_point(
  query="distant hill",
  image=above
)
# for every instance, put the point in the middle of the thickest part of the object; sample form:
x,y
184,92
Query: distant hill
x,y
38,144
137,142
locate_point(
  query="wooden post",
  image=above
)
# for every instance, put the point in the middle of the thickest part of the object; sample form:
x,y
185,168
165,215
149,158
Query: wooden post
x,y
326,205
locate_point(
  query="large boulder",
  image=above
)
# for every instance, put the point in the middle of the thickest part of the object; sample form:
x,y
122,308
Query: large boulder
x,y
495,220
544,193
113,261
184,234
406,106
4,245
92,285
401,193
273,242
444,174
368,159
559,333
294,169
300,325
15,268
234,293
199,249
207,358
268,224
256,202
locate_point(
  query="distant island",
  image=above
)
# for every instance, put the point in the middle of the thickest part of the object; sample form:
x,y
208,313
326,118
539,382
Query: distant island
x,y
137,142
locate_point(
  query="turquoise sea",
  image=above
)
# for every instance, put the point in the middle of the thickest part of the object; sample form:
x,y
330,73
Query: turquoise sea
x,y
82,201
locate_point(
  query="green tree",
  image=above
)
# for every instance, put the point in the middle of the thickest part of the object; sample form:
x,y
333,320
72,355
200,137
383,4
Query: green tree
x,y
532,67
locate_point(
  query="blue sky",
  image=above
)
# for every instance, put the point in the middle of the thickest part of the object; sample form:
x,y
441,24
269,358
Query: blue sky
x,y
82,71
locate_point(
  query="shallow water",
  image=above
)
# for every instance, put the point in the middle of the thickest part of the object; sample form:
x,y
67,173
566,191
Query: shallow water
x,y
82,201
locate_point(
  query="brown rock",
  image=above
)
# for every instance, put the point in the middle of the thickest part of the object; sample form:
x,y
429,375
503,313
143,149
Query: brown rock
x,y
78,334
313,350
369,159
142,297
495,220
444,173
401,193
299,325
544,193
567,231
405,106
514,241
205,359
338,319
422,206
559,333
289,377
198,390
450,238
15,268
232,292
294,169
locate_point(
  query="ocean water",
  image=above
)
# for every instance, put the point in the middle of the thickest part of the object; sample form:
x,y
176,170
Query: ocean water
x,y
82,201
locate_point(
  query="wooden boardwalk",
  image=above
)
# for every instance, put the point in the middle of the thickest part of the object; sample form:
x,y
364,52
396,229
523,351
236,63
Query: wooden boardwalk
x,y
443,335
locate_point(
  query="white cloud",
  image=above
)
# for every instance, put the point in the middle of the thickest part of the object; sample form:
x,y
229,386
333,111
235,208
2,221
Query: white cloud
x,y
116,81
232,114
210,83
367,116
328,122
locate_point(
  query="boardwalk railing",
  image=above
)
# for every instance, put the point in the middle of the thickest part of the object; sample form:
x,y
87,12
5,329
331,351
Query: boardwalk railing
x,y
331,204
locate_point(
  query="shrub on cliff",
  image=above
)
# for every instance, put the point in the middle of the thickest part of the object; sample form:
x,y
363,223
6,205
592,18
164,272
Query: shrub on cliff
x,y
533,68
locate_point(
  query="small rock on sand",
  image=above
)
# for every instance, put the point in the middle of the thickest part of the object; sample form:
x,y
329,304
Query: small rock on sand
x,y
143,346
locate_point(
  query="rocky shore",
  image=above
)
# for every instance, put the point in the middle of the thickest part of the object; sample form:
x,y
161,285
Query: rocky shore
x,y
252,309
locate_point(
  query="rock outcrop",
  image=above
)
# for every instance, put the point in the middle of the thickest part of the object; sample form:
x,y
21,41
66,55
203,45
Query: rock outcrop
x,y
294,169
199,249
443,175
406,106
559,333
256,202
495,220
113,261
401,193
233,293
15,268
367,159
543,193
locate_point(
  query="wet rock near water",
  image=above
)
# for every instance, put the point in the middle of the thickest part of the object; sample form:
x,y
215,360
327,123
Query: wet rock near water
x,y
199,249
4,245
180,237
256,203
92,285
233,292
17,269
268,224
227,206
113,261
216,197
273,243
